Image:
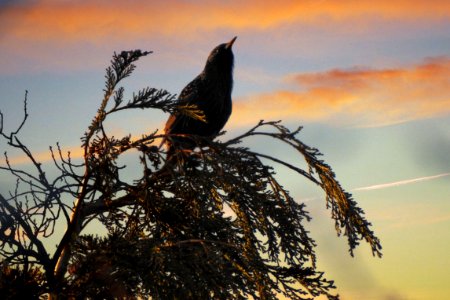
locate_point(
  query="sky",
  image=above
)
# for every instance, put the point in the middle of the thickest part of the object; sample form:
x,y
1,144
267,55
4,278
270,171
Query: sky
x,y
368,80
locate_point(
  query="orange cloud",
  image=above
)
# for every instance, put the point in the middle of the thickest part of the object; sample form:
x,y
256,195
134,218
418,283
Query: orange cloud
x,y
93,20
356,97
76,153
45,34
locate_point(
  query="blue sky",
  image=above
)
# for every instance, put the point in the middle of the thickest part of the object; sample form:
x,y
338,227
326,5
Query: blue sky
x,y
370,83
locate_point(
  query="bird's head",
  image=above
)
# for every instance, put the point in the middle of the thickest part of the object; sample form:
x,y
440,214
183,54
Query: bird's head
x,y
221,58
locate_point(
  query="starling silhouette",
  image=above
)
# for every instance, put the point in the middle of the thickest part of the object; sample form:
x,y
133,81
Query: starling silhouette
x,y
210,92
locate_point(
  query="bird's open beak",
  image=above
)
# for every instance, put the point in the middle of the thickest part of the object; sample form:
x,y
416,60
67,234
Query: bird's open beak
x,y
230,43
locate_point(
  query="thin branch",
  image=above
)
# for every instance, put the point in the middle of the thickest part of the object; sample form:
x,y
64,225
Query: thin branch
x,y
24,118
42,253
281,162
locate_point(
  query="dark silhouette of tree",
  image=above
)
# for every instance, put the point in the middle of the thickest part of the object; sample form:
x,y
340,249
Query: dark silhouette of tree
x,y
213,224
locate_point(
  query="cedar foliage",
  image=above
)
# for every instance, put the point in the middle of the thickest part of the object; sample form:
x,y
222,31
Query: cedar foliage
x,y
214,223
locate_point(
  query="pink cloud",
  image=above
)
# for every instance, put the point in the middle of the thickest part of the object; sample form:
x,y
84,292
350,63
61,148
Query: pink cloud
x,y
356,97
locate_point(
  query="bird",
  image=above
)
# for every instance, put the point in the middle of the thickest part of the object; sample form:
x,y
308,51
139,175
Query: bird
x,y
210,92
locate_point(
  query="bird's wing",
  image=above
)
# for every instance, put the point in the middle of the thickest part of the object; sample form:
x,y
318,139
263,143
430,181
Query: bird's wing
x,y
170,123
189,90
187,96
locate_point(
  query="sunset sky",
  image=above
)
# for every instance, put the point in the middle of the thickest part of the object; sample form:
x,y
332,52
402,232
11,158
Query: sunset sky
x,y
368,80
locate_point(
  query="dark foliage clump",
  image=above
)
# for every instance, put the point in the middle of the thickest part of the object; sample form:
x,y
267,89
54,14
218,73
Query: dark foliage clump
x,y
21,283
214,223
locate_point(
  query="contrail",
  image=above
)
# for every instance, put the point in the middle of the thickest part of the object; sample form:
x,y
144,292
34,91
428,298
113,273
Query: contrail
x,y
401,182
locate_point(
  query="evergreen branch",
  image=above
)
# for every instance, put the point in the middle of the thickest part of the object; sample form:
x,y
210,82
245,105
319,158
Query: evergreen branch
x,y
214,222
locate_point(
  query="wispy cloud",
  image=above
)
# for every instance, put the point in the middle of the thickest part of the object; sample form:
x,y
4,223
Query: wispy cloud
x,y
400,182
391,184
362,97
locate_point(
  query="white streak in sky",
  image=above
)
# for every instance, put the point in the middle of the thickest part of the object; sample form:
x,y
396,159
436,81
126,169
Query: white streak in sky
x,y
398,183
